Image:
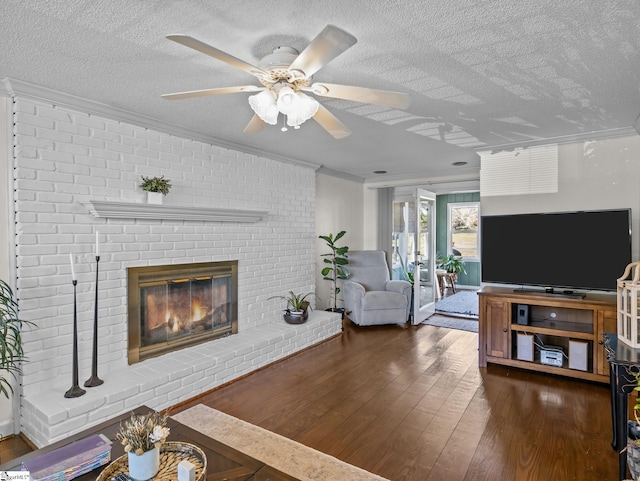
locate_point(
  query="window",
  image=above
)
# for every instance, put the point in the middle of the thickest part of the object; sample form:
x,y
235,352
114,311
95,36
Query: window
x,y
533,170
462,234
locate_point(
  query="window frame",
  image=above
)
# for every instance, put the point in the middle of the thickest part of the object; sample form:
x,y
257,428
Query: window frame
x,y
450,207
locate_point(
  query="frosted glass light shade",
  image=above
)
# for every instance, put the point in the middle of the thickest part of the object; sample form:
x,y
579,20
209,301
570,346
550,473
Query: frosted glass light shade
x,y
307,108
264,105
288,101
296,106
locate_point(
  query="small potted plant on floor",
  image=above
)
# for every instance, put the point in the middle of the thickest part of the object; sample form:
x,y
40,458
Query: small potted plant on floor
x,y
336,261
297,310
11,351
155,187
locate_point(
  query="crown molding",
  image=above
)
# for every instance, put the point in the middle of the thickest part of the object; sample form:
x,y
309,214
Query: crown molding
x,y
443,176
341,175
565,139
12,87
467,181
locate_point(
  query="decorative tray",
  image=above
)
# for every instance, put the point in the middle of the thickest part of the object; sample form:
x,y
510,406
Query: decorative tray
x,y
171,453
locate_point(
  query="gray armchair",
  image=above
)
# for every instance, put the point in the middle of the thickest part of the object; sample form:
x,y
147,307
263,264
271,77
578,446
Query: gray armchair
x,y
370,297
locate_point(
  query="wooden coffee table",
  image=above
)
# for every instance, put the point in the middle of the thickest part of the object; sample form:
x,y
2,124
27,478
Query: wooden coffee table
x,y
223,462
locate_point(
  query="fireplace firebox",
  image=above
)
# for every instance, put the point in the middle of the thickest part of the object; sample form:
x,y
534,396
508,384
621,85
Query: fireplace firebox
x,y
174,306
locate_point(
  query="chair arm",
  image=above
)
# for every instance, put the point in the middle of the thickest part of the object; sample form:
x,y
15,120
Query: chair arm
x,y
402,287
353,294
353,290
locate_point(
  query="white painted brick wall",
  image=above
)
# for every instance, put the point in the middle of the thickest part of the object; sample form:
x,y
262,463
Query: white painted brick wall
x,y
64,158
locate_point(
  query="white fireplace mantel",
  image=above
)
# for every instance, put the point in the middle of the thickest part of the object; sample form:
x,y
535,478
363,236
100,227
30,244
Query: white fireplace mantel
x,y
131,210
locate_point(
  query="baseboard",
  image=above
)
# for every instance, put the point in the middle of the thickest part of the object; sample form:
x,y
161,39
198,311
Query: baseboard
x,y
6,429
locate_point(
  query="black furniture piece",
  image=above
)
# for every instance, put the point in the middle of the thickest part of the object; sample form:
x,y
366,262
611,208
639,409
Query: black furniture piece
x,y
223,462
624,361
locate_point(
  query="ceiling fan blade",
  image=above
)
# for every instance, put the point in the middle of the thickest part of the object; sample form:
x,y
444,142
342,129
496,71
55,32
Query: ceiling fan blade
x,y
327,45
385,98
256,124
331,124
216,53
206,92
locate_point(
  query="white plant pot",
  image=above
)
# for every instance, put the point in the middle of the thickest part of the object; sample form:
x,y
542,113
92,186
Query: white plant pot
x,y
154,198
145,466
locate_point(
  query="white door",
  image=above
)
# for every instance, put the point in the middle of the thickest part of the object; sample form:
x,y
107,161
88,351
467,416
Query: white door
x,y
414,249
424,276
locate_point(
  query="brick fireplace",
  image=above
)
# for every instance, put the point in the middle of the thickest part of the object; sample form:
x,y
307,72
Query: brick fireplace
x,y
65,158
173,307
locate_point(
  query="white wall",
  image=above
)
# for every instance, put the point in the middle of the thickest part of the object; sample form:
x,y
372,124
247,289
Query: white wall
x,y
370,219
600,174
339,206
7,426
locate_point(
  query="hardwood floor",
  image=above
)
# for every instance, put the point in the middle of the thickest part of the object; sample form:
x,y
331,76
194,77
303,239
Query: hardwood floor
x,y
12,447
410,403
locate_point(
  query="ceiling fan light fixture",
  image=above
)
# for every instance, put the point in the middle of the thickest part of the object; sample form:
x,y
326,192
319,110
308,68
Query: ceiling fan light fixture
x,y
306,107
264,105
288,101
284,74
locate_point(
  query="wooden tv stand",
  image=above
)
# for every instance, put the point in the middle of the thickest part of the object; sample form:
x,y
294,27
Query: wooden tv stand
x,y
552,321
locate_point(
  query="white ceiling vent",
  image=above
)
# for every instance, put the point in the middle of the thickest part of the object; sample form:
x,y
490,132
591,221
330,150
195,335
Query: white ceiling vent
x,y
533,170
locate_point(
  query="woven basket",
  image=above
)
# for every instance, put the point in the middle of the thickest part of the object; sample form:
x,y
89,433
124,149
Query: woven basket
x,y
171,453
633,458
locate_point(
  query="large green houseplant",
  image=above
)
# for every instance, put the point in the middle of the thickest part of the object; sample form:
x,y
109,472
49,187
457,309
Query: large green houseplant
x,y
336,261
11,352
452,264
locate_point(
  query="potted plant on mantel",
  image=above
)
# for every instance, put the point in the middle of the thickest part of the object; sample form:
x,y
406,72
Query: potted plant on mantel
x,y
11,351
337,259
297,310
155,187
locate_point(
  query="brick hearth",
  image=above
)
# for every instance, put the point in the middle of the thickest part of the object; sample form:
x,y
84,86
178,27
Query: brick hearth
x,y
165,381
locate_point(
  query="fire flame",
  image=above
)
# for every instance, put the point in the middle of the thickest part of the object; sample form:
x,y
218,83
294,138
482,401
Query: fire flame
x,y
174,324
196,310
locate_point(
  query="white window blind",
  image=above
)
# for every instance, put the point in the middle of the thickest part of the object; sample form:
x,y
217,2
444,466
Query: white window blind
x,y
525,171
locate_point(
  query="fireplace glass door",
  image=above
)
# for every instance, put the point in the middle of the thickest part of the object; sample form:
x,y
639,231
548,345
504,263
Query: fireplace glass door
x,y
171,307
176,309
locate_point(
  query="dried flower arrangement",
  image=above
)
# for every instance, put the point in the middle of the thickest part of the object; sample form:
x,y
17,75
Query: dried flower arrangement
x,y
143,432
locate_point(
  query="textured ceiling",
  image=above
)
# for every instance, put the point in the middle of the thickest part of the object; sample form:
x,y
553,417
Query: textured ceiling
x,y
482,74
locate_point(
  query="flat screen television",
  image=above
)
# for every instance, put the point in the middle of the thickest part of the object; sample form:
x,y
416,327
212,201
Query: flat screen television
x,y
585,250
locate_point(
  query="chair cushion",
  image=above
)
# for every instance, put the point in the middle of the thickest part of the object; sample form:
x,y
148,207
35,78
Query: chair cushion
x,y
383,300
371,278
368,268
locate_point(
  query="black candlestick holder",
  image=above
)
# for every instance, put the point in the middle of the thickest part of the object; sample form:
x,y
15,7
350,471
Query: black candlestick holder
x,y
76,390
94,380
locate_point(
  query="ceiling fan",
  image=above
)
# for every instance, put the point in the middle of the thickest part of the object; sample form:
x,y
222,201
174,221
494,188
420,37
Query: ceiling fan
x,y
286,76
